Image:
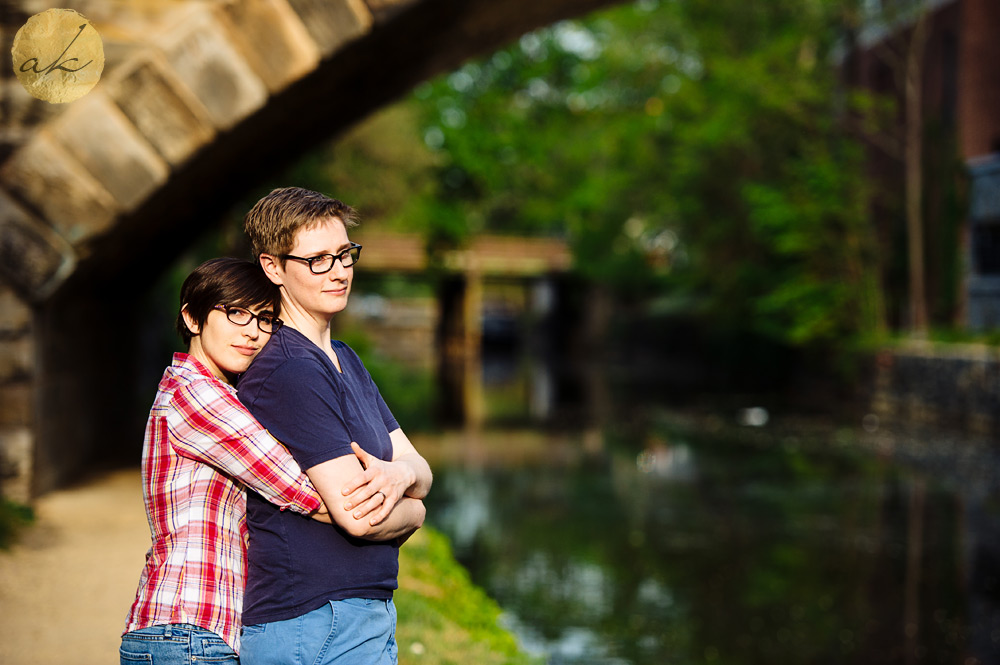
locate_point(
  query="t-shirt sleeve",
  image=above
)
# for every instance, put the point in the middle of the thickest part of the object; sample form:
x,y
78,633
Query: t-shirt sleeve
x,y
301,405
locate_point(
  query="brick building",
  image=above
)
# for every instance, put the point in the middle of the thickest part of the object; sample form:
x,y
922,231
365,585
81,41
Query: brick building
x,y
960,129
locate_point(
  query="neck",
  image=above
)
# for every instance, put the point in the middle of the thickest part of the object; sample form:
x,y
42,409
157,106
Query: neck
x,y
316,330
196,351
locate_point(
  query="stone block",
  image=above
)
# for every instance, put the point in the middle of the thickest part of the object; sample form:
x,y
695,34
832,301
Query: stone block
x,y
17,359
33,258
200,51
15,405
164,111
272,39
42,168
23,110
333,23
386,9
100,136
16,463
15,314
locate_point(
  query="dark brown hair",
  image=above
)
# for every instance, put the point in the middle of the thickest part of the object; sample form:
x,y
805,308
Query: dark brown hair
x,y
225,281
271,224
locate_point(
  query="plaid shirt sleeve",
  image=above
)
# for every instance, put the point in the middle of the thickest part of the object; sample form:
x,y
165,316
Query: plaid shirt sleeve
x,y
210,425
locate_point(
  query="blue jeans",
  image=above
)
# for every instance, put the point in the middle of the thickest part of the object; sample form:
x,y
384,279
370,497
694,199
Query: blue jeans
x,y
355,631
175,644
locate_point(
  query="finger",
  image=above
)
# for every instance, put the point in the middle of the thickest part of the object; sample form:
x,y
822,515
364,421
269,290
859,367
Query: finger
x,y
369,506
357,482
383,512
360,495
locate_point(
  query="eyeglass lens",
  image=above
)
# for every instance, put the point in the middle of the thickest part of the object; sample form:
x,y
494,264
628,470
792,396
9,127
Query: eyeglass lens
x,y
241,317
324,263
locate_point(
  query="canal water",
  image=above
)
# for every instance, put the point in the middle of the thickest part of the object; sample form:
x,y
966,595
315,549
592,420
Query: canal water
x,y
732,538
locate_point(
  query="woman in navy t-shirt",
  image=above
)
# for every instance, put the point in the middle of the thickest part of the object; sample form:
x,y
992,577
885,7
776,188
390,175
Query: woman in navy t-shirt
x,y
316,593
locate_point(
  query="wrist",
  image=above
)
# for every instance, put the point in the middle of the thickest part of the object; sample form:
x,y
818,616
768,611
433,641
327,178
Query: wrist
x,y
411,475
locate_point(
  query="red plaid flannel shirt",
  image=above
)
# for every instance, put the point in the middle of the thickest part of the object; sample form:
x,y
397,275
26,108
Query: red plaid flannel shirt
x,y
202,449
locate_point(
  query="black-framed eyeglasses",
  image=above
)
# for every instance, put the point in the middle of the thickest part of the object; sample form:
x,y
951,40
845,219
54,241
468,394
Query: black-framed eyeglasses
x,y
323,263
266,322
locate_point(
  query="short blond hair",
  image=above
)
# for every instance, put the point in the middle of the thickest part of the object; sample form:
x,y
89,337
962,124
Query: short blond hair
x,y
273,221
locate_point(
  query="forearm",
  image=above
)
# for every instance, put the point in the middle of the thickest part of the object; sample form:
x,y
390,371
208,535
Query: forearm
x,y
321,514
406,517
406,454
422,476
210,426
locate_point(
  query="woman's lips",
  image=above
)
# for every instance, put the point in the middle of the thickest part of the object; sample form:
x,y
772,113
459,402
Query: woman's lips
x,y
246,350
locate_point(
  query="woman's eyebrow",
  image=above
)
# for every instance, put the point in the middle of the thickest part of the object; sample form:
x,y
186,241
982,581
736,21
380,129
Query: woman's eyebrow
x,y
321,252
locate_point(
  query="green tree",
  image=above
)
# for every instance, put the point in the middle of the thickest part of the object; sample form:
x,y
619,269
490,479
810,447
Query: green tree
x,y
689,149
688,146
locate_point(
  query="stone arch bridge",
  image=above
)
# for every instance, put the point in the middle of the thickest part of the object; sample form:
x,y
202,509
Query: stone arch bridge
x,y
199,102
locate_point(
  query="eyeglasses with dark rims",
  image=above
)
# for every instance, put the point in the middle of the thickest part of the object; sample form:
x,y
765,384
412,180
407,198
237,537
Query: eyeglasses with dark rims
x,y
266,322
322,264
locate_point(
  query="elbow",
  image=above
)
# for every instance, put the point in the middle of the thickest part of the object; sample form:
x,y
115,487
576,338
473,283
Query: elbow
x,y
357,528
419,514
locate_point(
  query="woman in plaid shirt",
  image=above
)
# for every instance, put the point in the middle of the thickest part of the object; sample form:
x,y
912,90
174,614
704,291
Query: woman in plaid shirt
x,y
202,450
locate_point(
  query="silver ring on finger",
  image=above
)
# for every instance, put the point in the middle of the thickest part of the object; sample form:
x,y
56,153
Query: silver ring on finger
x,y
383,495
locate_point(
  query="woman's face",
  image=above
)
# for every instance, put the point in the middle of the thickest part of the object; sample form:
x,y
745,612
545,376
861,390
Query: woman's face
x,y
224,347
317,296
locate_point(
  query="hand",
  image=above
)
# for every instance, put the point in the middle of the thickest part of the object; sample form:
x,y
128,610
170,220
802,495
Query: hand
x,y
322,514
376,490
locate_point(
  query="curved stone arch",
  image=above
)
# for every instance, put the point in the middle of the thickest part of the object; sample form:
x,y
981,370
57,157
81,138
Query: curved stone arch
x,y
199,102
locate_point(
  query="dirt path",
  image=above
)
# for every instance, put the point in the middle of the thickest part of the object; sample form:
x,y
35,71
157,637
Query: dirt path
x,y
66,586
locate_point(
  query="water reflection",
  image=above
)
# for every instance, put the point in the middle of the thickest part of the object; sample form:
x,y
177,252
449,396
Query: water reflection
x,y
642,544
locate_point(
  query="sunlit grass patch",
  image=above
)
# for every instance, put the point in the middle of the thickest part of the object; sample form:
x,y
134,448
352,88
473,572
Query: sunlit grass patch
x,y
443,617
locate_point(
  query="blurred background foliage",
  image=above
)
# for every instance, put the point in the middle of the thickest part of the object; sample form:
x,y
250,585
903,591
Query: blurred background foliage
x,y
695,155
691,152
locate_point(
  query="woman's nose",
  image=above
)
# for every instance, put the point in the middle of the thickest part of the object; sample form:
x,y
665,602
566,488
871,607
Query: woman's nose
x,y
338,271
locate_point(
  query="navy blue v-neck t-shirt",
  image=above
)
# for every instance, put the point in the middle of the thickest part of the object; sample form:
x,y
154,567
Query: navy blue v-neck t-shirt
x,y
296,564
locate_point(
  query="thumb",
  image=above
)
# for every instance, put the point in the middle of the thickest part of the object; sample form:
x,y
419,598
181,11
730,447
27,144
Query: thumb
x,y
361,453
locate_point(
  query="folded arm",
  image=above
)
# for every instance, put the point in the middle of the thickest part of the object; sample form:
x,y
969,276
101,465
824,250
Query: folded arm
x,y
403,518
211,426
375,491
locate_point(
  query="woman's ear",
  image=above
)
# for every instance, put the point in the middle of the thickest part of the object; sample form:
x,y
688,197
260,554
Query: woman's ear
x,y
189,321
271,268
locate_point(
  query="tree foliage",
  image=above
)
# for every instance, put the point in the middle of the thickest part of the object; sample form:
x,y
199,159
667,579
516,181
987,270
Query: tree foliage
x,y
688,149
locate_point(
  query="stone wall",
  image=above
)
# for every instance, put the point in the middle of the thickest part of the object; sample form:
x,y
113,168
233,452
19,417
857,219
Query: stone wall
x,y
955,387
17,351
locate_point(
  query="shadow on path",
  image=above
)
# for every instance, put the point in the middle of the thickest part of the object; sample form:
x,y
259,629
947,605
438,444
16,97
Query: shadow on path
x,y
67,584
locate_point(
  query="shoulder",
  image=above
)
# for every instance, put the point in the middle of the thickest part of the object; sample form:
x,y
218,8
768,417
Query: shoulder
x,y
201,388
198,398
186,373
345,353
284,367
283,374
284,352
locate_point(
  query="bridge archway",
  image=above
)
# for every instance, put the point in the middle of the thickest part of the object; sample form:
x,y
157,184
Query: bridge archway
x,y
200,101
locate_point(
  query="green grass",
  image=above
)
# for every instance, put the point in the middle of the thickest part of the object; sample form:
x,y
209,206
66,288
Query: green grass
x,y
443,618
947,336
13,516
